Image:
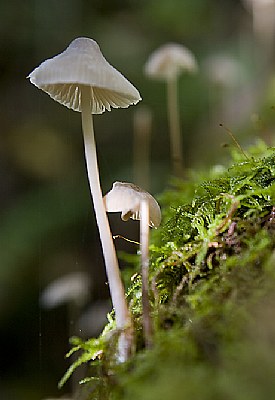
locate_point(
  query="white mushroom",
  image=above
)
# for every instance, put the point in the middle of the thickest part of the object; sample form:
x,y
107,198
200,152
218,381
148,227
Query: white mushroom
x,y
166,63
73,287
82,65
169,61
134,202
81,79
126,198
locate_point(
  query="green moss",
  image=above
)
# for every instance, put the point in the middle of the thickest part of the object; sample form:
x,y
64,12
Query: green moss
x,y
211,267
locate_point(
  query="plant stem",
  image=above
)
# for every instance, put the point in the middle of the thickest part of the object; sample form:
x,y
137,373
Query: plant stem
x,y
123,320
174,125
144,247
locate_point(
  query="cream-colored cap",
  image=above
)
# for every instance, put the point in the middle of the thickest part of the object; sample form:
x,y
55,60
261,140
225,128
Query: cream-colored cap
x,y
82,63
169,60
126,198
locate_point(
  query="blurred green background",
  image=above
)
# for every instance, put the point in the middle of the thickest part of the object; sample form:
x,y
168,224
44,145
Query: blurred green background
x,y
47,227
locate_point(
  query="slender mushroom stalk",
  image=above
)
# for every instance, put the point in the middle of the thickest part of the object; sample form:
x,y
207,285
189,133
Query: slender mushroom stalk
x,y
81,79
144,248
111,262
263,23
134,202
174,125
166,63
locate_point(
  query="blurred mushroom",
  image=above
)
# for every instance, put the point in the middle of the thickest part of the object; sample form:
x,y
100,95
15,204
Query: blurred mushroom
x,y
73,287
263,20
134,202
166,63
81,79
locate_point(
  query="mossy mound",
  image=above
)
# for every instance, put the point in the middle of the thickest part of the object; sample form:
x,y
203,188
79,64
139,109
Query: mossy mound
x,y
212,280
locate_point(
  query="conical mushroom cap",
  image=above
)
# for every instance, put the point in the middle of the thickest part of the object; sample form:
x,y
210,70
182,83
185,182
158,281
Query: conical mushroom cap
x,y
169,60
126,198
82,63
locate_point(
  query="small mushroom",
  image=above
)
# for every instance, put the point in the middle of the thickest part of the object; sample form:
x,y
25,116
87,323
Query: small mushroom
x,y
166,63
134,202
70,288
81,79
126,198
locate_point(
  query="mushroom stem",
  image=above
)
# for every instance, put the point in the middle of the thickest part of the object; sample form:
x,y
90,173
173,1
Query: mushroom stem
x,y
123,320
174,124
144,247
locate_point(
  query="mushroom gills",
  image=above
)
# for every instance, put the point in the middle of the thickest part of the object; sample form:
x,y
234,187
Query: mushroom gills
x,y
82,64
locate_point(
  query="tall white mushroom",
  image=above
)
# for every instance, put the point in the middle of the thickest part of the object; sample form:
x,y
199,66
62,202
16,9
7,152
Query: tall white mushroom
x,y
166,63
81,79
134,202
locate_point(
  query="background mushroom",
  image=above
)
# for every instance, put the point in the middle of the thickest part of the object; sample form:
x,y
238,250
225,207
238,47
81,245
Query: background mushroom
x,y
142,146
81,79
70,288
166,63
134,202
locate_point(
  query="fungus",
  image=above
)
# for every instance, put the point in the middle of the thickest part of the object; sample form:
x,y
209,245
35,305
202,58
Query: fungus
x,y
126,198
134,202
70,288
166,63
81,79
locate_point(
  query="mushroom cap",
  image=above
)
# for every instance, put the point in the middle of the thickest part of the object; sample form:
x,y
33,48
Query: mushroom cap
x,y
82,63
126,198
73,287
169,60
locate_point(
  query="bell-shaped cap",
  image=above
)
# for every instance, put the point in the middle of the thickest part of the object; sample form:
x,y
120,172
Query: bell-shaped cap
x,y
169,60
82,63
126,198
73,287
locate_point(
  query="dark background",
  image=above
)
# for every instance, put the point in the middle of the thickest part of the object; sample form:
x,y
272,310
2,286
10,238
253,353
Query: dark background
x,y
47,226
